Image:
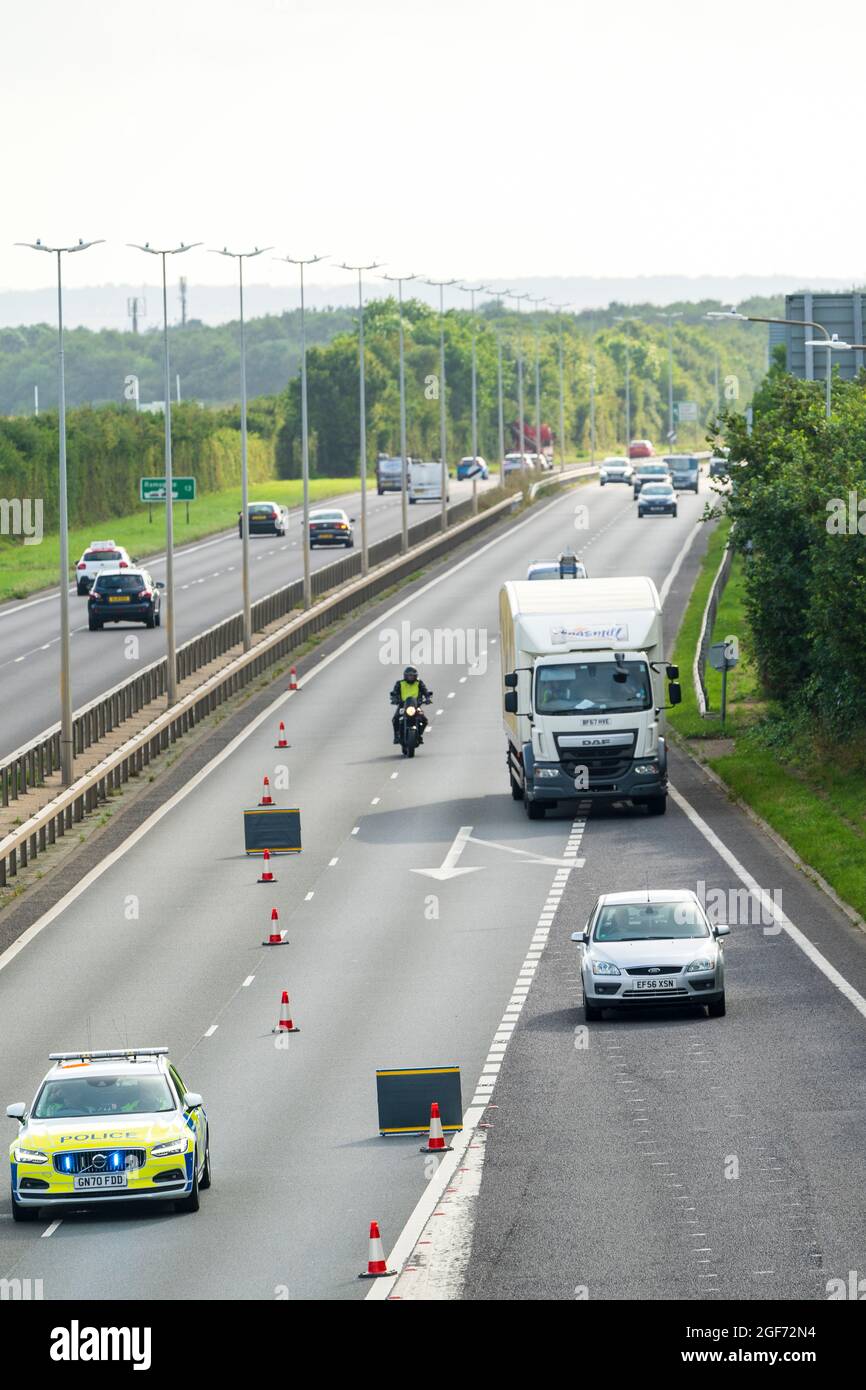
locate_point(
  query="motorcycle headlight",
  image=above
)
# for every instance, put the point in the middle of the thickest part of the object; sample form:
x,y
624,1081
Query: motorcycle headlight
x,y
171,1146
704,964
605,967
22,1155
410,710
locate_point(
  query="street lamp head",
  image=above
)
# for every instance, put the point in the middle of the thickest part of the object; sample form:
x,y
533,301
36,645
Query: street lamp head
x,y
296,260
166,250
39,245
238,255
731,313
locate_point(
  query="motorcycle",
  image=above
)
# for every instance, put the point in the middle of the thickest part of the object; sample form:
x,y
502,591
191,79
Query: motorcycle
x,y
410,724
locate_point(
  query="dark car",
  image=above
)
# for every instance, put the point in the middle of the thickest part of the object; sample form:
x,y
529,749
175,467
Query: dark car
x,y
124,596
331,527
265,519
720,466
657,499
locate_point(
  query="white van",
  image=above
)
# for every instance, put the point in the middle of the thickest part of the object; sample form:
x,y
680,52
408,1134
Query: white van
x,y
425,482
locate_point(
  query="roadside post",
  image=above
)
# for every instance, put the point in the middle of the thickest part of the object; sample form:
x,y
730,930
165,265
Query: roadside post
x,y
724,657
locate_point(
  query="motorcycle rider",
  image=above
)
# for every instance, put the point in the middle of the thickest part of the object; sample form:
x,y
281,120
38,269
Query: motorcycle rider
x,y
411,687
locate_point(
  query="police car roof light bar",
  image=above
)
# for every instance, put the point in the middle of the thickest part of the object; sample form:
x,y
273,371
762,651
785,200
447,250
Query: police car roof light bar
x,y
128,1052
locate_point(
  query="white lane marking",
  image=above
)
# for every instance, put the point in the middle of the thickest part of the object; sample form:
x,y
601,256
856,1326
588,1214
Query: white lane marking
x,y
309,895
393,775
455,1241
440,711
355,829
333,861
451,694
210,1032
248,981
267,714
375,801
20,658
675,567
767,905
49,1230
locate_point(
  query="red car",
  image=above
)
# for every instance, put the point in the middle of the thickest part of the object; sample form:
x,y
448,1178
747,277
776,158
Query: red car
x,y
640,449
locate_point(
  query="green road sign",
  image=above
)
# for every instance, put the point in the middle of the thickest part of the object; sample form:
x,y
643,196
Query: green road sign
x,y
153,489
685,412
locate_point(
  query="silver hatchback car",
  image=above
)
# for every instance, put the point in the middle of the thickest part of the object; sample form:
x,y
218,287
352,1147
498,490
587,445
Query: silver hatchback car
x,y
651,947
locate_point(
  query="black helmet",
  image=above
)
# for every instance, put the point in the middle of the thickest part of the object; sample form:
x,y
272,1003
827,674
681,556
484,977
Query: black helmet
x,y
410,674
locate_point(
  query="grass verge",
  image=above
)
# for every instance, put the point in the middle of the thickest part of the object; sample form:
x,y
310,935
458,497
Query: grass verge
x,y
814,797
24,569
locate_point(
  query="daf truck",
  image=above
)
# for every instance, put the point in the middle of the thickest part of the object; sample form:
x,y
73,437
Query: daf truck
x,y
584,674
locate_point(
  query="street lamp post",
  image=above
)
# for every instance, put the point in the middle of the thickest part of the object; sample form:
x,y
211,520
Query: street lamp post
x,y
500,295
170,648
517,298
562,308
670,321
359,270
305,431
472,290
67,750
537,300
627,318
240,257
404,465
796,323
443,423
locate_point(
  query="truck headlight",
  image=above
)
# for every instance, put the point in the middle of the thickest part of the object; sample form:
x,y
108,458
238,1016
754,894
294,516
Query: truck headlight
x,y
647,769
605,967
700,965
22,1155
171,1146
547,772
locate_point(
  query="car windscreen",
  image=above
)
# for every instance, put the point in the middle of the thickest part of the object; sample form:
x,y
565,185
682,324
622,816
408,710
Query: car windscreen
x,y
327,516
103,1095
657,490
118,584
653,921
587,687
98,557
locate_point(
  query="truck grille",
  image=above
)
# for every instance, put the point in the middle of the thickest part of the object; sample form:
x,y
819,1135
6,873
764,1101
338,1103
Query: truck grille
x,y
99,1160
604,762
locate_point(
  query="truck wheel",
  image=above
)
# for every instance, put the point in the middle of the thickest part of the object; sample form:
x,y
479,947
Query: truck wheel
x,y
534,809
656,805
516,789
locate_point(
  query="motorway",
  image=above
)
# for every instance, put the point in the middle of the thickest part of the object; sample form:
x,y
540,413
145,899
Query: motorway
x,y
608,1164
207,576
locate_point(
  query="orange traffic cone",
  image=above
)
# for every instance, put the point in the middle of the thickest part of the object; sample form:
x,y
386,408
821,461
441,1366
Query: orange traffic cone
x,y
267,799
281,739
284,1022
277,937
436,1142
376,1265
293,678
267,873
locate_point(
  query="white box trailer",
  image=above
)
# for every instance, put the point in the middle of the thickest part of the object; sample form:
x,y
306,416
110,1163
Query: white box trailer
x,y
584,670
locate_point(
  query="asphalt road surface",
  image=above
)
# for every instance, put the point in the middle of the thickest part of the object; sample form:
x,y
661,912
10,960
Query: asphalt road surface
x,y
207,590
389,967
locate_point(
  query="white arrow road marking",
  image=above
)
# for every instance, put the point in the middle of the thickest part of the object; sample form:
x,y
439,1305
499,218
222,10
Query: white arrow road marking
x,y
464,836
448,867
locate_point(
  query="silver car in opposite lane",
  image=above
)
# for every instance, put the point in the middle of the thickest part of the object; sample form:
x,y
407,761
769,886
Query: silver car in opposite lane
x,y
651,947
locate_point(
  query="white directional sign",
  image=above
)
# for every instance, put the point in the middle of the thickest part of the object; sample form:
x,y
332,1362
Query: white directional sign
x,y
448,868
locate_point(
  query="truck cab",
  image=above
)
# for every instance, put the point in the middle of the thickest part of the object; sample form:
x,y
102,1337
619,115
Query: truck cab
x,y
584,676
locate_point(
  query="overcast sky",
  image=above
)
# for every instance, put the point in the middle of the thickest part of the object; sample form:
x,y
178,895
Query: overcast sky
x,y
489,138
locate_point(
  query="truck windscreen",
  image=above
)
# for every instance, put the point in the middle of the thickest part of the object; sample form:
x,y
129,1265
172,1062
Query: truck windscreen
x,y
591,687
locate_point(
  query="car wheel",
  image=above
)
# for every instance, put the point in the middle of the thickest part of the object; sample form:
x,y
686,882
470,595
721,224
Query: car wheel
x,y
190,1203
674,511
240,533
94,624
534,809
412,501
602,481
717,1008
150,620
639,514
591,1012
82,589
205,1182
20,1213
158,619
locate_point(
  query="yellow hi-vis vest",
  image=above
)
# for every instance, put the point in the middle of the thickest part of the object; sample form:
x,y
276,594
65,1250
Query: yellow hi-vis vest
x,y
409,690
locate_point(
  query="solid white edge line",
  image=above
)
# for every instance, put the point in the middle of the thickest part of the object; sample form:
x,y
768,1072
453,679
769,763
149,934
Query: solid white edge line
x,y
675,567
75,892
768,905
426,1205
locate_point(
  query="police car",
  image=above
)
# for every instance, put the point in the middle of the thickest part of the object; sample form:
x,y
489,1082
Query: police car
x,y
99,555
113,1126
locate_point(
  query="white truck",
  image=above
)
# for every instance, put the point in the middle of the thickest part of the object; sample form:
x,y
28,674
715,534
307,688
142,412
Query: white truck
x,y
584,670
425,482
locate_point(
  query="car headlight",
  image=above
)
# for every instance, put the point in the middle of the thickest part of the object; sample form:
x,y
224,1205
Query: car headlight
x,y
704,964
22,1155
171,1146
605,967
